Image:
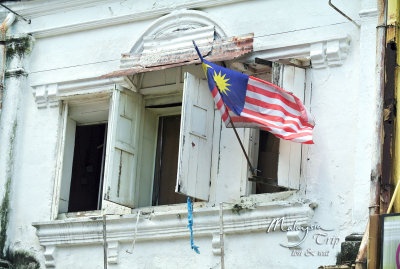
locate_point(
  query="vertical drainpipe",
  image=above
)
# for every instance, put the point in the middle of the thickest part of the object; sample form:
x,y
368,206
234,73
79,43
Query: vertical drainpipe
x,y
392,40
3,30
376,173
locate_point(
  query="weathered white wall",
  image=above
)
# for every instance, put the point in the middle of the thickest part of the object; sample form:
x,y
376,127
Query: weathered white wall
x,y
336,171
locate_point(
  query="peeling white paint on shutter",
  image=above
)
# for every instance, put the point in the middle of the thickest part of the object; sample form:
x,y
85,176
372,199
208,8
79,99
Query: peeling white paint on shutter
x,y
66,174
292,79
121,159
196,137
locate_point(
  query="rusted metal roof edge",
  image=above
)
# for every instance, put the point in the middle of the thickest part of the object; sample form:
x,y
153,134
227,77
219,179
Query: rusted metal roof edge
x,y
222,50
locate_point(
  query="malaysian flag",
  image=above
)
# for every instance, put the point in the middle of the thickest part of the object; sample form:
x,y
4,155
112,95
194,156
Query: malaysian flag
x,y
251,102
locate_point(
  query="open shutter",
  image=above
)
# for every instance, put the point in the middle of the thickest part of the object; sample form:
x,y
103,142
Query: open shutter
x,y
291,79
195,142
68,156
121,159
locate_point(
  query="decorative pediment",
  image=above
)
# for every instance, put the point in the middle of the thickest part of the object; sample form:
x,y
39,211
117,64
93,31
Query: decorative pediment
x,y
178,23
168,43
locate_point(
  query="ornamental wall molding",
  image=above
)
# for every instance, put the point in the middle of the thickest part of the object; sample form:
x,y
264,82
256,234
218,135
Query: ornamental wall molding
x,y
327,52
166,225
176,22
39,8
123,19
171,34
50,95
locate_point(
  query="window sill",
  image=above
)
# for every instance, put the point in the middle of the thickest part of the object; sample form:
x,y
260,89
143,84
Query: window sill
x,y
252,214
81,214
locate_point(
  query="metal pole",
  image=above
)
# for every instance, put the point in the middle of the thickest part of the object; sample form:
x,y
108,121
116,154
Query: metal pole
x,y
252,170
12,11
221,234
342,13
233,126
105,241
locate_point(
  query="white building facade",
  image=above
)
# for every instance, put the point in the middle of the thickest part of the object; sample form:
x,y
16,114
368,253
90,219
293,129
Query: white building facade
x,y
106,115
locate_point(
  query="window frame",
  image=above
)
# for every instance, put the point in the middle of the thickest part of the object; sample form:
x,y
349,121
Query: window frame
x,y
61,171
290,162
247,136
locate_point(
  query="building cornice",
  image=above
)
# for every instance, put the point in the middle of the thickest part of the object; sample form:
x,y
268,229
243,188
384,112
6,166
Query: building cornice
x,y
34,9
114,20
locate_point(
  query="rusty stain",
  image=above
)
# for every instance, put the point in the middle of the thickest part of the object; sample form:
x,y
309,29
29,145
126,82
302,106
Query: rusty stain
x,y
193,144
3,29
220,50
3,26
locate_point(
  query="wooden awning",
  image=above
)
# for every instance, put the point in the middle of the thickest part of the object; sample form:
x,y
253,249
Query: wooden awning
x,y
183,53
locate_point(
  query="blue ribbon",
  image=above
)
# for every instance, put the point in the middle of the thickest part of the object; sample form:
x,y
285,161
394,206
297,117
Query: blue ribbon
x,y
190,225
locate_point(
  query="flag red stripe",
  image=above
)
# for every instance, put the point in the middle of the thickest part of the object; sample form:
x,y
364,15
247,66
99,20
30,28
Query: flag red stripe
x,y
273,95
220,105
273,118
270,125
269,84
259,121
286,117
274,107
299,137
304,136
271,108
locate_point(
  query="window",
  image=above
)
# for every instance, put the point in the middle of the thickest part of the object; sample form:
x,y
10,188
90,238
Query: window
x,y
162,143
278,161
125,148
84,140
166,162
87,168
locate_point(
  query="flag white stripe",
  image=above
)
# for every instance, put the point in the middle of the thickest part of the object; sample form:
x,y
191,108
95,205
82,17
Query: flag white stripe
x,y
297,131
278,124
272,112
272,101
221,109
269,88
276,130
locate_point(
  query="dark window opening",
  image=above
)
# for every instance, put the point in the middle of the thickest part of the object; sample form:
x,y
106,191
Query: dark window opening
x,y
268,156
87,168
167,162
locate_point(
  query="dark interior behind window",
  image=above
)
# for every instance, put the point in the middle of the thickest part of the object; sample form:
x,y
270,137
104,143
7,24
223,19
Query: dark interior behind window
x,y
87,167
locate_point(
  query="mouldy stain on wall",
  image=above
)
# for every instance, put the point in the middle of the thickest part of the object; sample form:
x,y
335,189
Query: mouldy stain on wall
x,y
19,46
16,47
5,204
22,260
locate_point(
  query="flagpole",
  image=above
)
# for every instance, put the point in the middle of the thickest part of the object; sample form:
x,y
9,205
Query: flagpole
x,y
252,170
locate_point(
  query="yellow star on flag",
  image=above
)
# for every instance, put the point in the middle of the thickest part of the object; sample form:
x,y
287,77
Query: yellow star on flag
x,y
221,82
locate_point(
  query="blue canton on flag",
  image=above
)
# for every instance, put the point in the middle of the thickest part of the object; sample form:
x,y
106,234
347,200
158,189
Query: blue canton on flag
x,y
231,84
